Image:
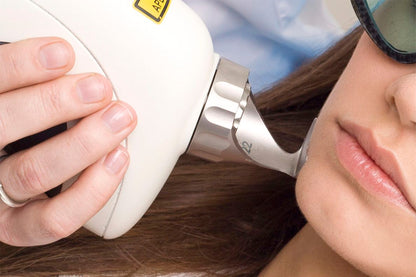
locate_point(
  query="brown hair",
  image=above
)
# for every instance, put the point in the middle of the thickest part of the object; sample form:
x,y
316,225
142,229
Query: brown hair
x,y
215,219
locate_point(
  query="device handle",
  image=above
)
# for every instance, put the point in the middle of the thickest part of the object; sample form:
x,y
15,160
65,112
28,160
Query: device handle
x,y
230,127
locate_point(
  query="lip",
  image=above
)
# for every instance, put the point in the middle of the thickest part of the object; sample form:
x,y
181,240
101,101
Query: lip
x,y
374,167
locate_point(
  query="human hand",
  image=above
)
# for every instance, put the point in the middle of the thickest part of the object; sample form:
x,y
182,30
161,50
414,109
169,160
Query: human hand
x,y
34,96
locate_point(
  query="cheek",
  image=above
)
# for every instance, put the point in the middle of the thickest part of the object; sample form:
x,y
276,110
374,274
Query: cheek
x,y
361,89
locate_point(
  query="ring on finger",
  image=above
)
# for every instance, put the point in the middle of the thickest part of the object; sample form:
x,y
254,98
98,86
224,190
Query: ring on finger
x,y
9,201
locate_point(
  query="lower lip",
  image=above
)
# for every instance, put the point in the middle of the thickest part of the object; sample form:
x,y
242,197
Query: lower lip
x,y
366,172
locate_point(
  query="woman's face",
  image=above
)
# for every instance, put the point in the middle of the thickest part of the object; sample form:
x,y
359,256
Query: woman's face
x,y
358,187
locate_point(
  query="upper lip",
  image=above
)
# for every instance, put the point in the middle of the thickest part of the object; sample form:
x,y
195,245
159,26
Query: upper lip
x,y
384,157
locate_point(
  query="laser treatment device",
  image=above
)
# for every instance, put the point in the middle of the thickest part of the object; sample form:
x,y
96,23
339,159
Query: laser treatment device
x,y
159,57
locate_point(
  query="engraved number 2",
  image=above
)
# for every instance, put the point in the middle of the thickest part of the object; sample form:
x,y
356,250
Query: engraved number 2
x,y
247,147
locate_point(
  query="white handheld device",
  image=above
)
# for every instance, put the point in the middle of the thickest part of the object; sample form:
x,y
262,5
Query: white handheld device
x,y
159,57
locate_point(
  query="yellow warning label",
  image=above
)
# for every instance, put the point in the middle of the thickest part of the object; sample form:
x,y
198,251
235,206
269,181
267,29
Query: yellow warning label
x,y
154,9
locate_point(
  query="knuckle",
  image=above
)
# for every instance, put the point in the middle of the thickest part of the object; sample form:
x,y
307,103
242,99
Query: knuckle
x,y
29,174
51,98
54,225
83,144
14,66
99,195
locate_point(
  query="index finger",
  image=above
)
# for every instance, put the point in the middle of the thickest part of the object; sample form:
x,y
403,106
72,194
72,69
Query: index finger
x,y
33,61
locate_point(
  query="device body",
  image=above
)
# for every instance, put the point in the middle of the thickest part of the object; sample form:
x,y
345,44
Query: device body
x,y
159,57
164,70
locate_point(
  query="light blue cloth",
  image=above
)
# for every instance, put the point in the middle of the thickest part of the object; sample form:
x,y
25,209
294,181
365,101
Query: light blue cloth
x,y
270,37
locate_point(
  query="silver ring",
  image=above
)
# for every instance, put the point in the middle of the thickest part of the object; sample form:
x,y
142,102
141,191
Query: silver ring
x,y
10,202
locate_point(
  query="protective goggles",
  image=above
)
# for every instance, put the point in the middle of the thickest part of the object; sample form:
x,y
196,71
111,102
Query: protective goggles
x,y
391,24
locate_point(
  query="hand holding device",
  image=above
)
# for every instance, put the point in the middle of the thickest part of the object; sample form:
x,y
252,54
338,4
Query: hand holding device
x,y
160,59
34,96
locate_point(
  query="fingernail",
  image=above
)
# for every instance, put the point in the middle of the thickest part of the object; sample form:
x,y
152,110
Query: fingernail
x,y
117,118
116,161
54,56
90,90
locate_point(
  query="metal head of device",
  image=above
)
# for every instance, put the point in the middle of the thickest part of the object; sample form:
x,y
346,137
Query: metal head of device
x,y
231,129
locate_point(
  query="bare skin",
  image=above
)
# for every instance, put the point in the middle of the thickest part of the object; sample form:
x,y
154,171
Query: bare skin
x,y
361,206
308,255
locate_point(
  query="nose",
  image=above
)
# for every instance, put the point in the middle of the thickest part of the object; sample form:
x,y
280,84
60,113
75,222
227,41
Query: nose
x,y
401,95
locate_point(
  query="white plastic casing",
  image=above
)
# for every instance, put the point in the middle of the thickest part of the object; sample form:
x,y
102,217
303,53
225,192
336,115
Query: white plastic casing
x,y
163,70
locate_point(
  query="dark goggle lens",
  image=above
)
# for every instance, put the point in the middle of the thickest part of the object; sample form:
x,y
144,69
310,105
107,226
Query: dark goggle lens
x,y
396,22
